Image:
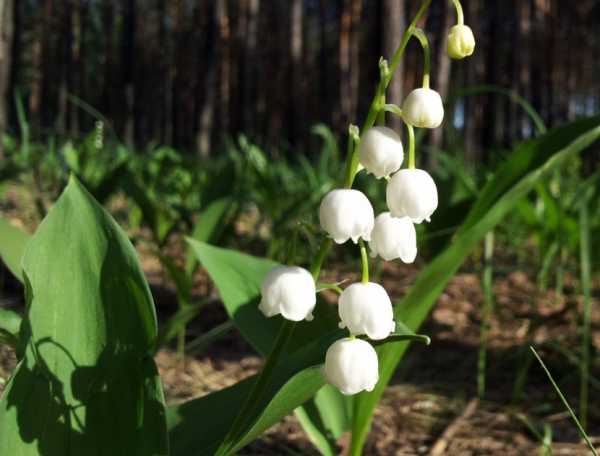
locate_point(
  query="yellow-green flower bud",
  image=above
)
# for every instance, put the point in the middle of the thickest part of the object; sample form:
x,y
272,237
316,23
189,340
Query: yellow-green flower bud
x,y
461,42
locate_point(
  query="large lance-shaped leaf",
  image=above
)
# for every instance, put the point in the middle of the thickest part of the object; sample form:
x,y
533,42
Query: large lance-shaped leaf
x,y
12,246
529,163
296,380
191,436
87,384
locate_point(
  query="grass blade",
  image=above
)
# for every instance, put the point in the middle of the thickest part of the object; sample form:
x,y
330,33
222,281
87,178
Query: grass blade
x,y
584,226
566,404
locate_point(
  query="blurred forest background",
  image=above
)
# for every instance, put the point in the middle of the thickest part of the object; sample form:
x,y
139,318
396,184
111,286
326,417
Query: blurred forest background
x,y
225,121
192,73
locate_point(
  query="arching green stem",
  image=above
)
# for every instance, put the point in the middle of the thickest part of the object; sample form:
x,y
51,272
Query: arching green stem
x,y
364,260
381,88
460,17
420,35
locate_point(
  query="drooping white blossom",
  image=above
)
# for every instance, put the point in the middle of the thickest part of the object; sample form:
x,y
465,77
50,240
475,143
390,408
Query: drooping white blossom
x,y
346,214
365,308
423,108
351,365
461,42
289,291
393,237
381,151
412,193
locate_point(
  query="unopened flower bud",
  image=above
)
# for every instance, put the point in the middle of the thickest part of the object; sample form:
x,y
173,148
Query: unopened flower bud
x,y
412,193
346,214
351,365
394,237
461,42
381,151
365,308
423,108
289,291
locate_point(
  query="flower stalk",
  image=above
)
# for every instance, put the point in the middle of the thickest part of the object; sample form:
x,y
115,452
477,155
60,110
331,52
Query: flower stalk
x,y
411,146
364,261
419,34
460,17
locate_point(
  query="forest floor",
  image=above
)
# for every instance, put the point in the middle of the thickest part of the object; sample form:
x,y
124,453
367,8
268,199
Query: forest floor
x,y
431,406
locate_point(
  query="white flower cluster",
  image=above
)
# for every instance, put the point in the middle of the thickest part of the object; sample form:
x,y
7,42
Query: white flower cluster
x,y
365,309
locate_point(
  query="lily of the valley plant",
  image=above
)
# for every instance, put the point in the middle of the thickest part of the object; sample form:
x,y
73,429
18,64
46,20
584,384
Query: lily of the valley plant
x,y
365,308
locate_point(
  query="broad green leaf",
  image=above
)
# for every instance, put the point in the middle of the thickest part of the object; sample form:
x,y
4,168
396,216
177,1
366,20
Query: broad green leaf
x,y
190,436
183,280
209,226
210,220
12,246
326,418
529,163
284,394
87,383
10,322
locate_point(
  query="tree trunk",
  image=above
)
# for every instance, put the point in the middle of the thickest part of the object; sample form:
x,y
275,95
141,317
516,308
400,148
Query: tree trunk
x,y
394,23
297,107
225,63
344,62
441,68
208,66
128,57
250,67
355,59
65,67
6,37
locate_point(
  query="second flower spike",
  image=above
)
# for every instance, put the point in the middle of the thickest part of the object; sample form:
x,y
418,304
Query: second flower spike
x,y
365,308
381,151
347,214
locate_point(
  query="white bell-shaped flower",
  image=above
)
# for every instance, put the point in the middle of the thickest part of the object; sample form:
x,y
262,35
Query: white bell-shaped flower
x,y
381,151
461,42
423,108
289,291
412,193
394,237
346,214
365,308
351,365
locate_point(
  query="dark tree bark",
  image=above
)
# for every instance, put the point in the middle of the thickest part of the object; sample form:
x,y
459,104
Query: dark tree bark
x,y
128,61
348,60
208,66
297,107
250,68
6,37
441,66
224,47
64,65
394,23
